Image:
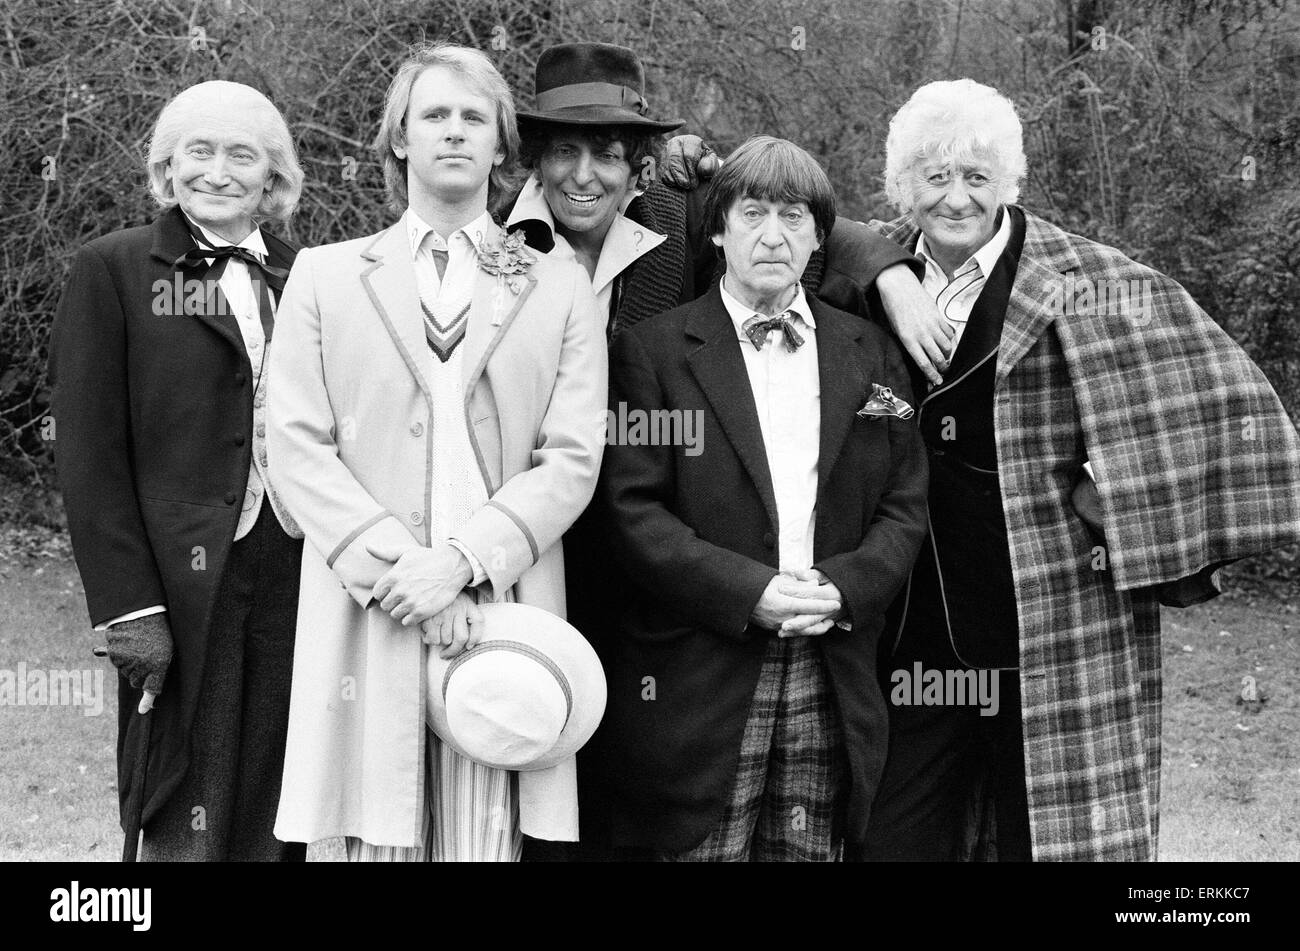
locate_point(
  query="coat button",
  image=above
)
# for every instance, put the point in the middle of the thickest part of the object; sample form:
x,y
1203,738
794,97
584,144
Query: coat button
x,y
769,540
261,429
239,378
230,498
261,457
417,518
417,428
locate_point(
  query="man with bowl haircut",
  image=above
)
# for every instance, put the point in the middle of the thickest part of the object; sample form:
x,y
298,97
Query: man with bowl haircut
x,y
159,360
744,720
436,427
595,149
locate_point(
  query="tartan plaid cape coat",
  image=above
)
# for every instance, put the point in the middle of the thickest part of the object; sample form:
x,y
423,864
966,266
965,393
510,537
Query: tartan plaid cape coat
x,y
1196,462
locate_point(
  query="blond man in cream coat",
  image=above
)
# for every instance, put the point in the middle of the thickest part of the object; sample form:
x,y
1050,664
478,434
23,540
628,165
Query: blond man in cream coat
x,y
351,430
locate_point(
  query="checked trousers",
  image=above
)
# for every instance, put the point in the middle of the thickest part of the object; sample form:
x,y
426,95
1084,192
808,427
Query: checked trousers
x,y
787,800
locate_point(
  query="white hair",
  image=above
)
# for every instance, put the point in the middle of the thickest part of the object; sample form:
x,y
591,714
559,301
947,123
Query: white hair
x,y
274,136
957,121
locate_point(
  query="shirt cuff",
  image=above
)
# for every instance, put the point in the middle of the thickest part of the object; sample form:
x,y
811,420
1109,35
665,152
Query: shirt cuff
x,y
474,564
143,612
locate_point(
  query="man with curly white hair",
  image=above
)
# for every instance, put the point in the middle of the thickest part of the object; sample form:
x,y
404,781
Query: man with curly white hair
x,y
190,563
1098,447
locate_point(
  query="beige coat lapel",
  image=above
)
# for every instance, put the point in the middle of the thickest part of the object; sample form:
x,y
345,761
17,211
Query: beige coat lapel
x,y
496,305
390,284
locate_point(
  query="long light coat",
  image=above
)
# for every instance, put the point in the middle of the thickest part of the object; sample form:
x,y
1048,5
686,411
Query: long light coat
x,y
351,450
1196,463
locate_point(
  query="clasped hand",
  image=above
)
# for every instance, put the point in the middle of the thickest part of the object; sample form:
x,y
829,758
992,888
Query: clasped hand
x,y
426,586
801,603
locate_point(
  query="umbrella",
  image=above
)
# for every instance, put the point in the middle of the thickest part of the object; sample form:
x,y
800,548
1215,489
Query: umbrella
x,y
135,798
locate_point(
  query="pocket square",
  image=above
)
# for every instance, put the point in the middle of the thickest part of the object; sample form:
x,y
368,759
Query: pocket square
x,y
883,402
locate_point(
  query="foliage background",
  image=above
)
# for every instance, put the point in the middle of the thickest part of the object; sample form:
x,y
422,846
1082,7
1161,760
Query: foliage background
x,y
1168,129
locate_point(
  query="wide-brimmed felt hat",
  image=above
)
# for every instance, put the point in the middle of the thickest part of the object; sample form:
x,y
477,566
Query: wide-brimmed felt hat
x,y
526,697
592,84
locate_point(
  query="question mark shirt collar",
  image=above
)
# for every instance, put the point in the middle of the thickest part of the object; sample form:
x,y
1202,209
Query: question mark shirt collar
x,y
625,242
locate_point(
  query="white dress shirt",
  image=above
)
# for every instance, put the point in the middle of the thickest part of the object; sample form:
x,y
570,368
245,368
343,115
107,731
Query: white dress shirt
x,y
956,298
787,394
457,490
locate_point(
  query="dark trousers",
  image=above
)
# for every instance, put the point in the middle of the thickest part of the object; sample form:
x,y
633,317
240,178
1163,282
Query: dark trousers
x,y
954,782
224,808
595,591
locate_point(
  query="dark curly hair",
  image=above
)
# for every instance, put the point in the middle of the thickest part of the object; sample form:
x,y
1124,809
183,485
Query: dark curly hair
x,y
638,144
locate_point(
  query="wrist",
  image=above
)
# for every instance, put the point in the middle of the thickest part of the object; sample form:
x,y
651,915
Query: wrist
x,y
893,275
464,571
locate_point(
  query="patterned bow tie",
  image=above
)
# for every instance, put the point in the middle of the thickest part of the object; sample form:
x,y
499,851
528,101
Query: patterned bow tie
x,y
275,276
756,329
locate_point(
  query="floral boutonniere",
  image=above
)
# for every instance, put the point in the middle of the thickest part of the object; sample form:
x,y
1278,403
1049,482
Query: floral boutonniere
x,y
506,260
883,402
507,257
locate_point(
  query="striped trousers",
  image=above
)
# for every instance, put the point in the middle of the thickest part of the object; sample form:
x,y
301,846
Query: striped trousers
x,y
471,811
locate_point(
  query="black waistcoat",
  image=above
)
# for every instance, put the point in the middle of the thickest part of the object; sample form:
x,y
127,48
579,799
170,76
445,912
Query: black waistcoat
x,y
961,598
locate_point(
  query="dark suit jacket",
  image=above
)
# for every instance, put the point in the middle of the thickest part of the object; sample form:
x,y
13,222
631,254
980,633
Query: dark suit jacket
x,y
697,535
152,413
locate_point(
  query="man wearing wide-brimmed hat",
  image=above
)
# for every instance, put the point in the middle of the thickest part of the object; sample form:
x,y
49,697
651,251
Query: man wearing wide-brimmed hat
x,y
593,147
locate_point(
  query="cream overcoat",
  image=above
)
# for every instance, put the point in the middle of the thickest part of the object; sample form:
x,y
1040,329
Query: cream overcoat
x,y
350,449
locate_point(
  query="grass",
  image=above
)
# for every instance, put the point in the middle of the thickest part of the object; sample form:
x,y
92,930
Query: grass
x,y
1230,779
1231,776
58,777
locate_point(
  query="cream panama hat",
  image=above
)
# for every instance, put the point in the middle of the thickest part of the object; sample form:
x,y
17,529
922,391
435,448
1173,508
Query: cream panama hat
x,y
526,697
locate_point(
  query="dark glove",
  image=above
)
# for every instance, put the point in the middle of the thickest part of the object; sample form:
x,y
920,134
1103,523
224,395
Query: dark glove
x,y
688,162
142,650
1203,586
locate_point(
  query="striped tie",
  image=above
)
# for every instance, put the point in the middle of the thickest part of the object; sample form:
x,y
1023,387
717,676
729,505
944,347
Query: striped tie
x,y
444,335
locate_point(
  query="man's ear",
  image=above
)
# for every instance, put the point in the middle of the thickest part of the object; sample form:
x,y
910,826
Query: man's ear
x,y
716,239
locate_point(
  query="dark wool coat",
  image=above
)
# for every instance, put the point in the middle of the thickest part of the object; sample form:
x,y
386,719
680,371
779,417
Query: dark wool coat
x,y
152,409
696,535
